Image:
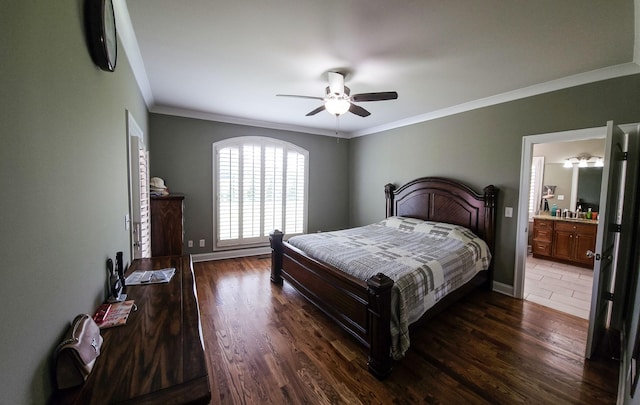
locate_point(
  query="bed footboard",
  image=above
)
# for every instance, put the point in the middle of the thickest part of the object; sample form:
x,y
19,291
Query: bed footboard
x,y
275,239
379,314
361,308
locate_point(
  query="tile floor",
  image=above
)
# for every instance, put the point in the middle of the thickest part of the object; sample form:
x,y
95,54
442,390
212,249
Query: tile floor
x,y
560,286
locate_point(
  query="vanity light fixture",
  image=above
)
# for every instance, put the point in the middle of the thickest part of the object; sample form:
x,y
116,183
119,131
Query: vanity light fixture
x,y
584,160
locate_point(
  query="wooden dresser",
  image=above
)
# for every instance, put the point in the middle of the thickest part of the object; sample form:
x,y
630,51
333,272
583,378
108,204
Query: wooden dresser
x,y
167,232
158,356
563,240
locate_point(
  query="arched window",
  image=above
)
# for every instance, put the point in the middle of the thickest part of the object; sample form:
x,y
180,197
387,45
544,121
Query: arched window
x,y
260,185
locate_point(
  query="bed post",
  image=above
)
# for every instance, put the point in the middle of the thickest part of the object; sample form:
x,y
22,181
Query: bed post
x,y
379,321
490,196
388,193
275,239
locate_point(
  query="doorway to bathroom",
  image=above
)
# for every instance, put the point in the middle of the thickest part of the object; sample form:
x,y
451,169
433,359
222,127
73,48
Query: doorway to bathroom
x,y
565,179
613,240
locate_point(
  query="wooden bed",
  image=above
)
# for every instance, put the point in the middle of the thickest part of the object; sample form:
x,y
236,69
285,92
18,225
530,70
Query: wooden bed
x,y
363,308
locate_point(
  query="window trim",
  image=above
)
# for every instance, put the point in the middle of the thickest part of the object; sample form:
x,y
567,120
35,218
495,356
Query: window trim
x,y
263,141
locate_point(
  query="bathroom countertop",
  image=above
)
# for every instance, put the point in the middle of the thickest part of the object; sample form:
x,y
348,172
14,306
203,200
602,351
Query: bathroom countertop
x,y
582,220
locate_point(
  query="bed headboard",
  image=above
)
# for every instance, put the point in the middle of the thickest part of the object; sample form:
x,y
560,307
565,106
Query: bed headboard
x,y
443,200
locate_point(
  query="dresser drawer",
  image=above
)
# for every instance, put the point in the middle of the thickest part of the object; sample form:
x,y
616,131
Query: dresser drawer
x,y
566,226
542,230
542,235
588,229
543,223
541,248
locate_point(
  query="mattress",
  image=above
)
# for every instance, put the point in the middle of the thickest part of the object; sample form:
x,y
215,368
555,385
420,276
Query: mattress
x,y
426,260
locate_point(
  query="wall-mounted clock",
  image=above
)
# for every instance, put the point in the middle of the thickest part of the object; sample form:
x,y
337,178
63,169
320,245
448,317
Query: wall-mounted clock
x,y
101,33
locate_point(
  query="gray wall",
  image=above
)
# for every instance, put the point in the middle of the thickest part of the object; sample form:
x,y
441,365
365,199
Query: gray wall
x,y
64,182
181,150
482,147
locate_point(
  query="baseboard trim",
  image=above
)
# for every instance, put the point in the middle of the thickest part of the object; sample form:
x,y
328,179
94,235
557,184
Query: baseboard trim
x,y
230,254
502,288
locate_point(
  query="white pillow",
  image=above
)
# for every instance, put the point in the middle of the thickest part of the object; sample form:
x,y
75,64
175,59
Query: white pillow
x,y
402,223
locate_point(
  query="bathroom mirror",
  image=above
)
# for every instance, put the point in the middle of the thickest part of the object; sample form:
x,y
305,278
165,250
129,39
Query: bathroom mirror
x,y
577,186
588,191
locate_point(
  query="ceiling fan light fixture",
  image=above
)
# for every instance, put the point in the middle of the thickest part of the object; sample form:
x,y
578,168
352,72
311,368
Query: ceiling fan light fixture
x,y
338,99
337,105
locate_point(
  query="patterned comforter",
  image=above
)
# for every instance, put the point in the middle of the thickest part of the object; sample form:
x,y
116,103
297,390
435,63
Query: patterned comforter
x,y
426,260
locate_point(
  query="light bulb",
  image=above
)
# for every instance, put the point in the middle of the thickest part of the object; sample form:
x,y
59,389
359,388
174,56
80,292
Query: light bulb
x,y
337,106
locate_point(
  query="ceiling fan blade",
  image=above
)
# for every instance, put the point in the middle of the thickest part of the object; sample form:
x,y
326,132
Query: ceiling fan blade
x,y
336,82
297,96
384,95
317,110
357,110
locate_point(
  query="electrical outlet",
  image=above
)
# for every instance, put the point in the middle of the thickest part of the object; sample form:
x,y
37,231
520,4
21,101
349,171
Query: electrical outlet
x,y
201,242
560,197
190,243
508,212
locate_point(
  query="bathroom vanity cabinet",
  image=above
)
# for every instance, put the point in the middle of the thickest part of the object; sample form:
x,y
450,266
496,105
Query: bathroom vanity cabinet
x,y
564,240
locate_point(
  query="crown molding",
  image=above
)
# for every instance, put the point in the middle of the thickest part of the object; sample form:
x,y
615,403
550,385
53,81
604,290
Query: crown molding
x,y
130,44
180,112
553,85
611,72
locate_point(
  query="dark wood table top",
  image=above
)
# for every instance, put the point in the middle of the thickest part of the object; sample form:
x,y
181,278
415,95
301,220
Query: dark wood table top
x,y
158,355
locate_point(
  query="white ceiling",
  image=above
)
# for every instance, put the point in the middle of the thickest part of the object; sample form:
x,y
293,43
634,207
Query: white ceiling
x,y
558,152
227,59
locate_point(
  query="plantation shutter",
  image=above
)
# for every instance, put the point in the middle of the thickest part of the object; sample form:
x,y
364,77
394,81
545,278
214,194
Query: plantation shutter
x,y
261,186
535,185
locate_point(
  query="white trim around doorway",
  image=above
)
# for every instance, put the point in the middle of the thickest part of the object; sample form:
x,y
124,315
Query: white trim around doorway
x,y
523,199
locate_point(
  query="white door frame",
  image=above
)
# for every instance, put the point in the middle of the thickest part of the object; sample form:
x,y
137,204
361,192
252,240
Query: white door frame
x,y
133,131
523,200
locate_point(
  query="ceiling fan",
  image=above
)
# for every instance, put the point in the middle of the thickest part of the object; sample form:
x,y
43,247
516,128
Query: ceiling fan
x,y
338,99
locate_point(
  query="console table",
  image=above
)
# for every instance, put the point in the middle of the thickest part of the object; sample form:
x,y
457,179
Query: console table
x,y
158,355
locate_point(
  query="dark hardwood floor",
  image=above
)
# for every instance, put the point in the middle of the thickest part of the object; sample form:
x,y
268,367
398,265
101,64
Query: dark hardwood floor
x,y
266,344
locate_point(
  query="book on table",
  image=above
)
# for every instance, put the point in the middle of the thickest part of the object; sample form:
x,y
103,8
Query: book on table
x,y
141,277
113,314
